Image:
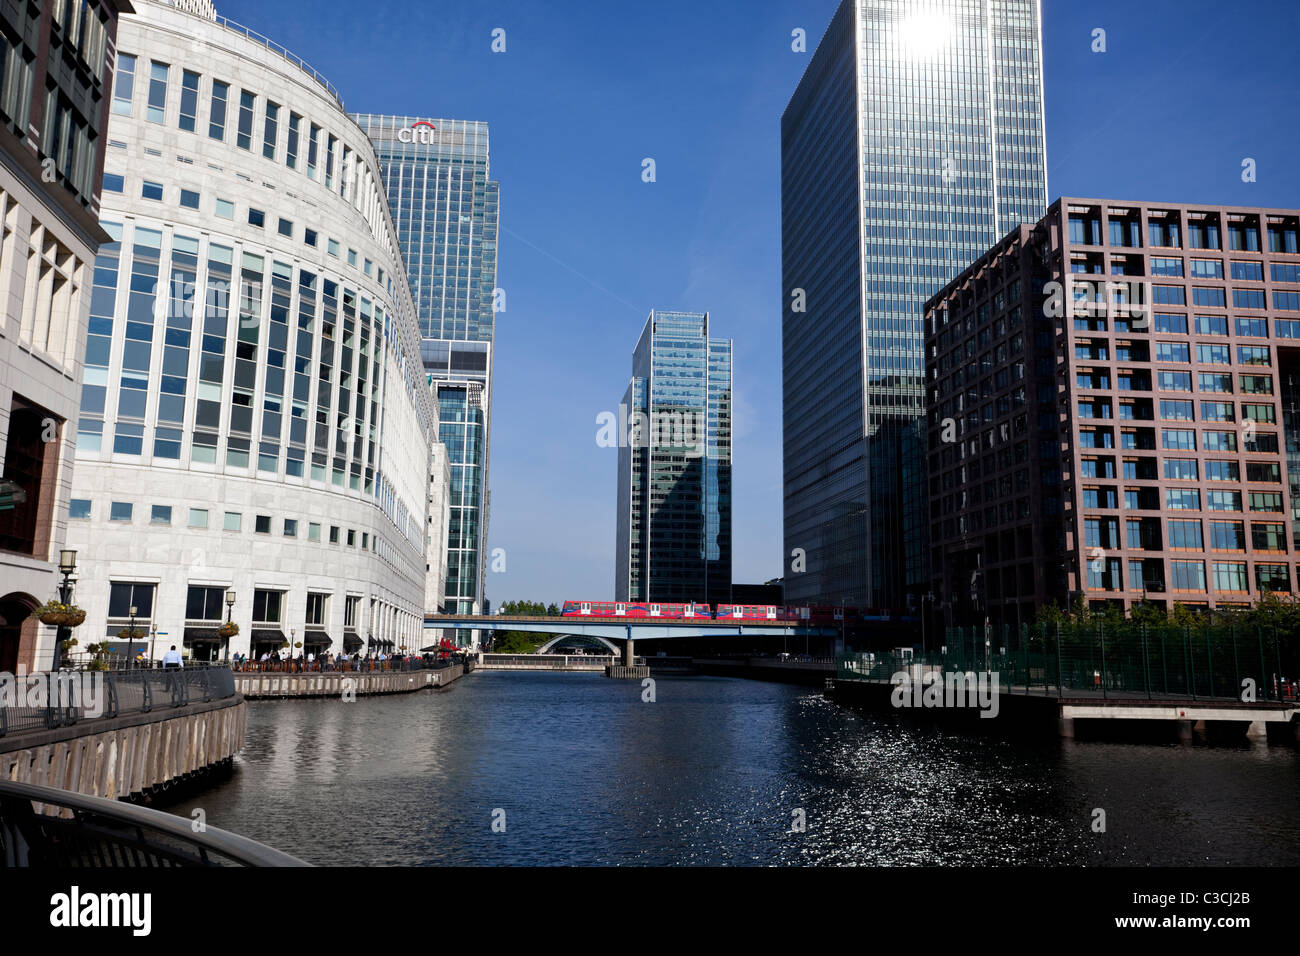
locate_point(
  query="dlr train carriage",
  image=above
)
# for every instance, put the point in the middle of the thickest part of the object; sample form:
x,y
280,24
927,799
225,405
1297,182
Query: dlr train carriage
x,y
725,612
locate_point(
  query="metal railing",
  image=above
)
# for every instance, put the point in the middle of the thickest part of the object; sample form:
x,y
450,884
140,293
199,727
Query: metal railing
x,y
334,667
552,661
1173,663
44,701
271,45
46,827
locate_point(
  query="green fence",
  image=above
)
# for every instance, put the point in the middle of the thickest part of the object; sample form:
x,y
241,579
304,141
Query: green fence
x,y
1092,660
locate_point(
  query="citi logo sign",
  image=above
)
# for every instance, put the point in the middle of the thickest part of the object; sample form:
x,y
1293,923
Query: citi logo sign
x,y
419,132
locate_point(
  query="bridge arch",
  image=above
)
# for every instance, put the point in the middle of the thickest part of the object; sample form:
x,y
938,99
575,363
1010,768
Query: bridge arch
x,y
586,638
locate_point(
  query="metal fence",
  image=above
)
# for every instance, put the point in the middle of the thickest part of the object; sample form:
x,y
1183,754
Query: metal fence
x,y
1096,661
43,701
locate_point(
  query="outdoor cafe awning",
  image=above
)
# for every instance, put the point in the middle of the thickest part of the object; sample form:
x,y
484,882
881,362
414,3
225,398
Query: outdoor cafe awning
x,y
206,635
316,639
268,636
351,642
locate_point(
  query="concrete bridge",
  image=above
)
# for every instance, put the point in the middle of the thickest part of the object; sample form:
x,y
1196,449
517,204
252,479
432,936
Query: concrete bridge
x,y
626,630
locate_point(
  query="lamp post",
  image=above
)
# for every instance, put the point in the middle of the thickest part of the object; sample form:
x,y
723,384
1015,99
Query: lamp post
x,y
130,636
230,603
67,564
293,632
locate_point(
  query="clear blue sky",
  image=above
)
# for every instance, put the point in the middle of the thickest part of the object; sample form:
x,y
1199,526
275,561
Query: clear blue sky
x,y
586,90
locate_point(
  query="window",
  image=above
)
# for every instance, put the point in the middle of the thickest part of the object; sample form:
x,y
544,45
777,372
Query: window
x,y
1184,535
1222,471
352,258
244,134
1268,536
1171,322
149,190
189,100
217,112
1181,469
1227,536
313,531
161,514
114,183
1187,575
1257,384
317,608
189,199
1272,577
1182,499
1173,352
291,527
350,605
352,538
233,521
1178,439
1207,269
1169,381
1284,272
267,605
1223,500
1218,412
1230,576
1286,301
309,236
1266,501
1214,382
123,84
1220,441
157,92
198,517
205,603
271,132
1211,325
285,228
1168,295
1214,354
1167,267
262,524
124,595
1252,355
1259,413
334,534
334,248
1250,271
119,511
1258,328
1249,299
225,209
256,217
79,508
291,148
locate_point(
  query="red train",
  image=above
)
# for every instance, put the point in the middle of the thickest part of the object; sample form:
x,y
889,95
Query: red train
x,y
810,614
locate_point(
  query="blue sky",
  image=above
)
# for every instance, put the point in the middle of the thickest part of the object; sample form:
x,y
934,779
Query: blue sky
x,y
585,90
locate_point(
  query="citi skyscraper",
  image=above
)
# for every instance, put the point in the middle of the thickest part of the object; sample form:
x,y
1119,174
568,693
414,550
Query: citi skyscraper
x,y
444,206
912,143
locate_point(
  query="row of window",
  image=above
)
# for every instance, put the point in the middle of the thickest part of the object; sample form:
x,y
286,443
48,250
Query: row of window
x,y
1181,499
208,603
124,511
1185,534
1148,574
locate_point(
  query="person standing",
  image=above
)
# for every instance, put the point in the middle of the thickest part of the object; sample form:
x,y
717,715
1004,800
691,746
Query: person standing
x,y
173,658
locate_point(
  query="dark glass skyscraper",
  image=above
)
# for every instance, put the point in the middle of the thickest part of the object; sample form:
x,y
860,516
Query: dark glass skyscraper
x,y
912,143
674,465
445,208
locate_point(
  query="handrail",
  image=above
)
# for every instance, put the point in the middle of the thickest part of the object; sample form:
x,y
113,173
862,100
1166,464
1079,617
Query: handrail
x,y
25,836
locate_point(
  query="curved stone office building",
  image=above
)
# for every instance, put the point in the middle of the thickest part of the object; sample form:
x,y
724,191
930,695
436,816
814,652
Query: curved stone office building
x,y
254,416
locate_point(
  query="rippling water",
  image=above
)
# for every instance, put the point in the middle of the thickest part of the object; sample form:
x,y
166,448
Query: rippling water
x,y
710,774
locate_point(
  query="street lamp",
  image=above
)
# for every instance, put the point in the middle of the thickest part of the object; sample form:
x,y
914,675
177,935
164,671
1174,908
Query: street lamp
x,y
67,564
130,636
230,603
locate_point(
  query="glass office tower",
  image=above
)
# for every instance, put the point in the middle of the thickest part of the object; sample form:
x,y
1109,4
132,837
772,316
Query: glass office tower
x,y
445,208
673,537
912,143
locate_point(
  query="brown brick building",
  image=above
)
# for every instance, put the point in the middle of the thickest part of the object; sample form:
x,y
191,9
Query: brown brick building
x,y
1112,411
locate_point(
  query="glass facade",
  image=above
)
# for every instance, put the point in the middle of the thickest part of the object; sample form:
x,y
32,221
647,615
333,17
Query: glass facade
x,y
674,477
913,142
444,205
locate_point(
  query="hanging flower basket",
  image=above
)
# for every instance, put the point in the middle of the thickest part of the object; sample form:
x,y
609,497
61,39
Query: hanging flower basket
x,y
229,629
127,634
59,615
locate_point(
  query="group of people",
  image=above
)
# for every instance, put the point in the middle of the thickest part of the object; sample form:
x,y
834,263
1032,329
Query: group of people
x,y
281,660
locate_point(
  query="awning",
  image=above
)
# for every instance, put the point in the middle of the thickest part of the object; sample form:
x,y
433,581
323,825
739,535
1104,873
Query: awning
x,y
268,636
351,642
207,635
316,639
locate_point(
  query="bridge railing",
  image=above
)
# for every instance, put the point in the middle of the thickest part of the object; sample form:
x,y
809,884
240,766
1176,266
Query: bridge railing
x,y
43,700
46,827
1092,661
551,661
